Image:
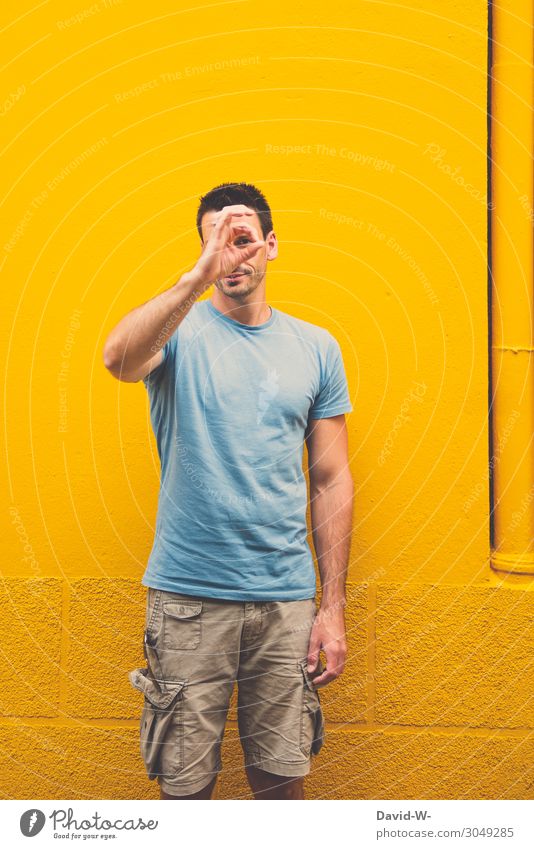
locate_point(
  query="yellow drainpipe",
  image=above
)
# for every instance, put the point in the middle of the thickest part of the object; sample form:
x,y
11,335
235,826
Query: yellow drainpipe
x,y
512,389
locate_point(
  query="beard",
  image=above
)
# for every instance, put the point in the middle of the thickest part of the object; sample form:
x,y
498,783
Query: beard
x,y
241,289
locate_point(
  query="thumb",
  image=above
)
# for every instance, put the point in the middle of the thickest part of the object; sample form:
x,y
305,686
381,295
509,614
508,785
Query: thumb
x,y
250,250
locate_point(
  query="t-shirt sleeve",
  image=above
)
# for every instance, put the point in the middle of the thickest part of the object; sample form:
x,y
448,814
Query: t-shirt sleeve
x,y
155,377
333,397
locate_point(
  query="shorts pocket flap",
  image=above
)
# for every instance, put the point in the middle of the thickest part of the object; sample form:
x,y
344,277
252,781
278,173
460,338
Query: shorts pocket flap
x,y
314,712
182,609
318,732
161,699
162,709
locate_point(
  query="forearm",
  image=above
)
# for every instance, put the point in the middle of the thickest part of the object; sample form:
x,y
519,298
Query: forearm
x,y
331,516
145,330
140,335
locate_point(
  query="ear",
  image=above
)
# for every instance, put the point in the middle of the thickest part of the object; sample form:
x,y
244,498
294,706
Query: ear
x,y
272,245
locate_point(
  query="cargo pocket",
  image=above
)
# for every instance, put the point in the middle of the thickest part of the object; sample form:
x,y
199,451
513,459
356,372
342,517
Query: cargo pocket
x,y
181,624
162,712
312,720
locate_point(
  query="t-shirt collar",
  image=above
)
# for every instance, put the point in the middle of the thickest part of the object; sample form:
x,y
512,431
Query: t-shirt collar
x,y
238,324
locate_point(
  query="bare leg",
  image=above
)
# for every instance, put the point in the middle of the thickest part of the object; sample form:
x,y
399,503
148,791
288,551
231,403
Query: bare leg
x,y
267,785
205,793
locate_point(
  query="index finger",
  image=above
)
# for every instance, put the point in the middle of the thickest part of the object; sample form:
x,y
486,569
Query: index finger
x,y
243,229
238,209
323,679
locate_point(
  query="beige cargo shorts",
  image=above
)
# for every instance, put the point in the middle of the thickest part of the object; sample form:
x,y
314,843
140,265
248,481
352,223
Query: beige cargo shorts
x,y
196,650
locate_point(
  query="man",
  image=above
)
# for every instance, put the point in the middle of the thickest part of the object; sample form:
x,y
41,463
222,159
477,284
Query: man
x,y
235,388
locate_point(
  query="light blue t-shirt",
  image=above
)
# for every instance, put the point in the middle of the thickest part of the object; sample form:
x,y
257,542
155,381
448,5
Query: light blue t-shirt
x,y
229,405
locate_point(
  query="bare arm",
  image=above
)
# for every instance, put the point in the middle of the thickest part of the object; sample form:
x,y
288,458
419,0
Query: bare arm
x,y
133,348
331,499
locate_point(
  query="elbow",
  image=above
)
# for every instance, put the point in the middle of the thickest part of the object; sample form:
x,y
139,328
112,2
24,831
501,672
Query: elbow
x,y
110,357
349,484
112,360
333,479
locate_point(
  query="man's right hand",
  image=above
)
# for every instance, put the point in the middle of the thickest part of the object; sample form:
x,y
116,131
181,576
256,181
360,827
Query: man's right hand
x,y
134,347
231,242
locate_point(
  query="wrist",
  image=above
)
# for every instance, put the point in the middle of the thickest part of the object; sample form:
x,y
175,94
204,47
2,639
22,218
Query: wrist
x,y
333,605
192,282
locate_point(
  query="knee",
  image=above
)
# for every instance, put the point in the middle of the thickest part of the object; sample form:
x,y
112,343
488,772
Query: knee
x,y
204,793
268,785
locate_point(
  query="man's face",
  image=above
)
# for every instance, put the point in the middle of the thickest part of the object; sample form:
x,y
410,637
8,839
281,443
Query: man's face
x,y
253,269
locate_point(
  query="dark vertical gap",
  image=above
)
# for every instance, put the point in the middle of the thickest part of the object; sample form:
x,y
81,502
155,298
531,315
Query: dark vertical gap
x,y
490,270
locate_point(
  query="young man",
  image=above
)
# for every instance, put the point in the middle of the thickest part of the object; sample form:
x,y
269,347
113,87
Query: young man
x,y
235,387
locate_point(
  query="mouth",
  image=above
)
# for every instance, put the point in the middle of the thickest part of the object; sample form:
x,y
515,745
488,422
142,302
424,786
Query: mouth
x,y
236,276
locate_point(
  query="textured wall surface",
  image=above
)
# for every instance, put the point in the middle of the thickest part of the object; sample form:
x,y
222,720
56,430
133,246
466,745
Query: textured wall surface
x,y
365,124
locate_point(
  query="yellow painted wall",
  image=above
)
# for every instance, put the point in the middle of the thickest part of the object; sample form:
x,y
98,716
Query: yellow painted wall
x,y
365,124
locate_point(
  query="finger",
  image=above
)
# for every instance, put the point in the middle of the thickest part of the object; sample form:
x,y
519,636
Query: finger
x,y
246,250
224,229
245,239
219,224
334,668
313,654
223,220
335,662
325,678
244,246
250,250
227,212
243,228
237,209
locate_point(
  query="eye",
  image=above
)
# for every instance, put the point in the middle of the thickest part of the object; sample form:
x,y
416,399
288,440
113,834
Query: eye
x,y
242,240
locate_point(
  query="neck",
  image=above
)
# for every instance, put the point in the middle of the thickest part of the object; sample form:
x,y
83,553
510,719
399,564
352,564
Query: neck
x,y
251,310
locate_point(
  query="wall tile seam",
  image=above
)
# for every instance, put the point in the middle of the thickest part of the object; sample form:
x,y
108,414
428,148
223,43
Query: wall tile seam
x,y
361,728
64,649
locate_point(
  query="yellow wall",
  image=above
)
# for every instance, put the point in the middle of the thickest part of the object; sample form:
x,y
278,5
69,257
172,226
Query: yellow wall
x,y
365,124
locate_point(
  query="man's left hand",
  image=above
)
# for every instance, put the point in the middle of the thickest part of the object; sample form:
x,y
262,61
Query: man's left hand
x,y
328,633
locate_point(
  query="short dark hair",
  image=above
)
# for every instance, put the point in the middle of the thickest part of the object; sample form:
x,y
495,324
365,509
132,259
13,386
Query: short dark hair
x,y
229,193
